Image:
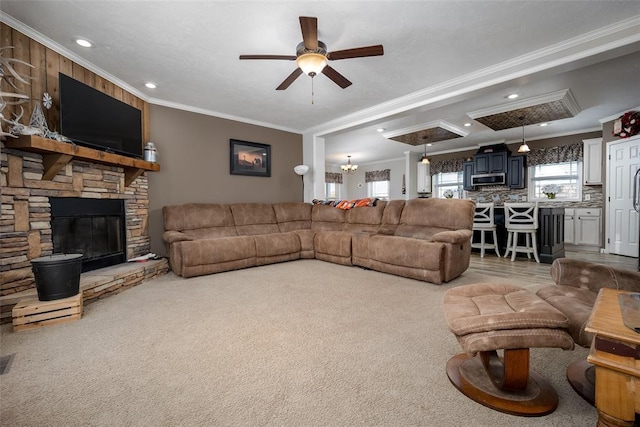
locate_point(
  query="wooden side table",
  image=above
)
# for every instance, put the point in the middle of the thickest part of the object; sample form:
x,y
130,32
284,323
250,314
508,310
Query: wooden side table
x,y
615,352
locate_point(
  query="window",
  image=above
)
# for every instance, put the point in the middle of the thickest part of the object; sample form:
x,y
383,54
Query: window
x,y
565,175
378,189
332,190
448,181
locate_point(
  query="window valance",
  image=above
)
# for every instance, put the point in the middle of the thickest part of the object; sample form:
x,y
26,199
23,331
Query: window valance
x,y
374,176
445,166
333,177
564,153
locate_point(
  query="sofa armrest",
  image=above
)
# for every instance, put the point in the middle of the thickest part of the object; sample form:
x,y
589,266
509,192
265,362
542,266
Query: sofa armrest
x,y
587,275
456,236
175,236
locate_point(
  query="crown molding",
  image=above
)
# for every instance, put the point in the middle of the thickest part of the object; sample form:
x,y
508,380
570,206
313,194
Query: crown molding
x,y
617,116
192,109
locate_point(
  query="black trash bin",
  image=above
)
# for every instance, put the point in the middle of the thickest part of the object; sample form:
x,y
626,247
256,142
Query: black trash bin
x,y
57,276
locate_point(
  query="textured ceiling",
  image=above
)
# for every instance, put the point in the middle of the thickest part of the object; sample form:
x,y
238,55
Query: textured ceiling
x,y
542,109
426,136
543,113
442,59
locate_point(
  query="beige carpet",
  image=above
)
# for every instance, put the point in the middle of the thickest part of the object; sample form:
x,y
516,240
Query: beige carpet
x,y
305,343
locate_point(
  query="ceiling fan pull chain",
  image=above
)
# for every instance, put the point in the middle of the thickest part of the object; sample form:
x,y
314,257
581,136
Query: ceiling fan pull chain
x,y
312,92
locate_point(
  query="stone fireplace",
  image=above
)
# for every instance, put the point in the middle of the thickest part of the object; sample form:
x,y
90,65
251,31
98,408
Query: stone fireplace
x,y
26,219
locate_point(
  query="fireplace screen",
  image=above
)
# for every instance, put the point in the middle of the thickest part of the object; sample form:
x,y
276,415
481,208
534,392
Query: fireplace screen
x,y
93,227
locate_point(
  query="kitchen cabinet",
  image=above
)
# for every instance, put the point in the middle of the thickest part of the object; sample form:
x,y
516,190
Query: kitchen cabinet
x,y
592,161
467,171
588,227
583,226
569,227
516,172
490,163
424,178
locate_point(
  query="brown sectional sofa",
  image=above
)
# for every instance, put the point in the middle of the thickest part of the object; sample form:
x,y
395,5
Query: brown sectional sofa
x,y
424,239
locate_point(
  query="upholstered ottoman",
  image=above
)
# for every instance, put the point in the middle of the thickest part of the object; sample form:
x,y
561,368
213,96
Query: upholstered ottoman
x,y
488,317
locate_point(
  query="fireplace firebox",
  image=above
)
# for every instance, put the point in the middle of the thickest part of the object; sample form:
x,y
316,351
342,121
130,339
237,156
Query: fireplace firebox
x,y
93,227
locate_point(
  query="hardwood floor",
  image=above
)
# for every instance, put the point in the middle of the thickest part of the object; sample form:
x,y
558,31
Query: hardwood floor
x,y
525,272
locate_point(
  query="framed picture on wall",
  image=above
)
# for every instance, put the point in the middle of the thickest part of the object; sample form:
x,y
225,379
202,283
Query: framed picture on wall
x,y
249,158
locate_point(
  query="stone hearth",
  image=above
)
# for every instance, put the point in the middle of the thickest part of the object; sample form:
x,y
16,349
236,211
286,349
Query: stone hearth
x,y
25,221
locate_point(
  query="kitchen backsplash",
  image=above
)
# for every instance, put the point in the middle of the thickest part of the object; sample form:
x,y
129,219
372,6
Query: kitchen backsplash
x,y
505,194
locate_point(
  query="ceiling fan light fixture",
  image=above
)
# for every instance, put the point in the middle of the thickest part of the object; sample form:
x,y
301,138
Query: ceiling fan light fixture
x,y
311,64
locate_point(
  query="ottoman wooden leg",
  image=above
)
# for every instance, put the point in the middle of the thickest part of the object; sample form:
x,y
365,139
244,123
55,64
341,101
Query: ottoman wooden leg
x,y
505,385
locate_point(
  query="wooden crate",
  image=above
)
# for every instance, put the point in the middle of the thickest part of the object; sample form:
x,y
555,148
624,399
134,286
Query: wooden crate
x,y
32,313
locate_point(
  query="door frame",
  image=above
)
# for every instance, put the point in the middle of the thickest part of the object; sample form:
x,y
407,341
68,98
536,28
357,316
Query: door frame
x,y
606,213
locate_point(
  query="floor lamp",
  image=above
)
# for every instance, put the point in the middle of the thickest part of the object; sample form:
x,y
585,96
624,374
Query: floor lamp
x,y
301,170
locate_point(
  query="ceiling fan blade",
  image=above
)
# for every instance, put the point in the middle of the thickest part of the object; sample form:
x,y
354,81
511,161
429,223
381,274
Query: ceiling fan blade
x,y
287,82
337,78
358,52
309,27
286,57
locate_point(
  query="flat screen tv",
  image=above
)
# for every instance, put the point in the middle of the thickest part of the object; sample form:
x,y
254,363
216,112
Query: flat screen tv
x,y
94,119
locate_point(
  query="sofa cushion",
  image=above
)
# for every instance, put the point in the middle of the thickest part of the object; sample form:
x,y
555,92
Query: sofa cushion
x,y
365,218
215,251
277,244
406,252
324,217
193,216
254,218
451,214
293,216
210,233
336,243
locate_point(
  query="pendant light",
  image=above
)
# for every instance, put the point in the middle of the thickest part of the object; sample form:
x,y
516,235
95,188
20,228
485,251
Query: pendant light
x,y
524,148
424,159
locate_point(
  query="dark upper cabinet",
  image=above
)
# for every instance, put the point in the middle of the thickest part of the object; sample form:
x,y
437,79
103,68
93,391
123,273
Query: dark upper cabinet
x,y
516,172
467,171
490,163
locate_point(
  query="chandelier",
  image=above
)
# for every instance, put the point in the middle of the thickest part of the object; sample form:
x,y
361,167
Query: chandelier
x,y
349,168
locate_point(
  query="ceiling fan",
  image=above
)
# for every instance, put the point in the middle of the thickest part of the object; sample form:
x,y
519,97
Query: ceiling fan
x,y
311,56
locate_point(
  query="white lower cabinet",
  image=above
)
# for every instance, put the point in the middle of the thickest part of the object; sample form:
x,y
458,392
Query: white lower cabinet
x,y
569,227
588,227
583,226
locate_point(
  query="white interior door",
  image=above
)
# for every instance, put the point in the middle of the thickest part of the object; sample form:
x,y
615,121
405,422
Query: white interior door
x,y
623,222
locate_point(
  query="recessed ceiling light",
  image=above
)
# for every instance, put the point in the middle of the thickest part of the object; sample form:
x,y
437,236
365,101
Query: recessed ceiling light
x,y
380,129
512,96
84,43
467,125
150,85
543,124
429,145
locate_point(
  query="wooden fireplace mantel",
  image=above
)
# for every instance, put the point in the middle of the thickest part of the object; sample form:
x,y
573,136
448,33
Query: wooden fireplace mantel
x,y
56,155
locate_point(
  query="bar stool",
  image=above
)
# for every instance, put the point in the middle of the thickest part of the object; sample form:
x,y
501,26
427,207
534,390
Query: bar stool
x,y
483,221
521,218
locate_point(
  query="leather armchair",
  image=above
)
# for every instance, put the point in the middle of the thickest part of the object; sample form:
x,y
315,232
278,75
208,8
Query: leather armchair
x,y
574,294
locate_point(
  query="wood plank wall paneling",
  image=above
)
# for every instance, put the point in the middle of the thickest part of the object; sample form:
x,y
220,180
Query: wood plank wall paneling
x,y
44,78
